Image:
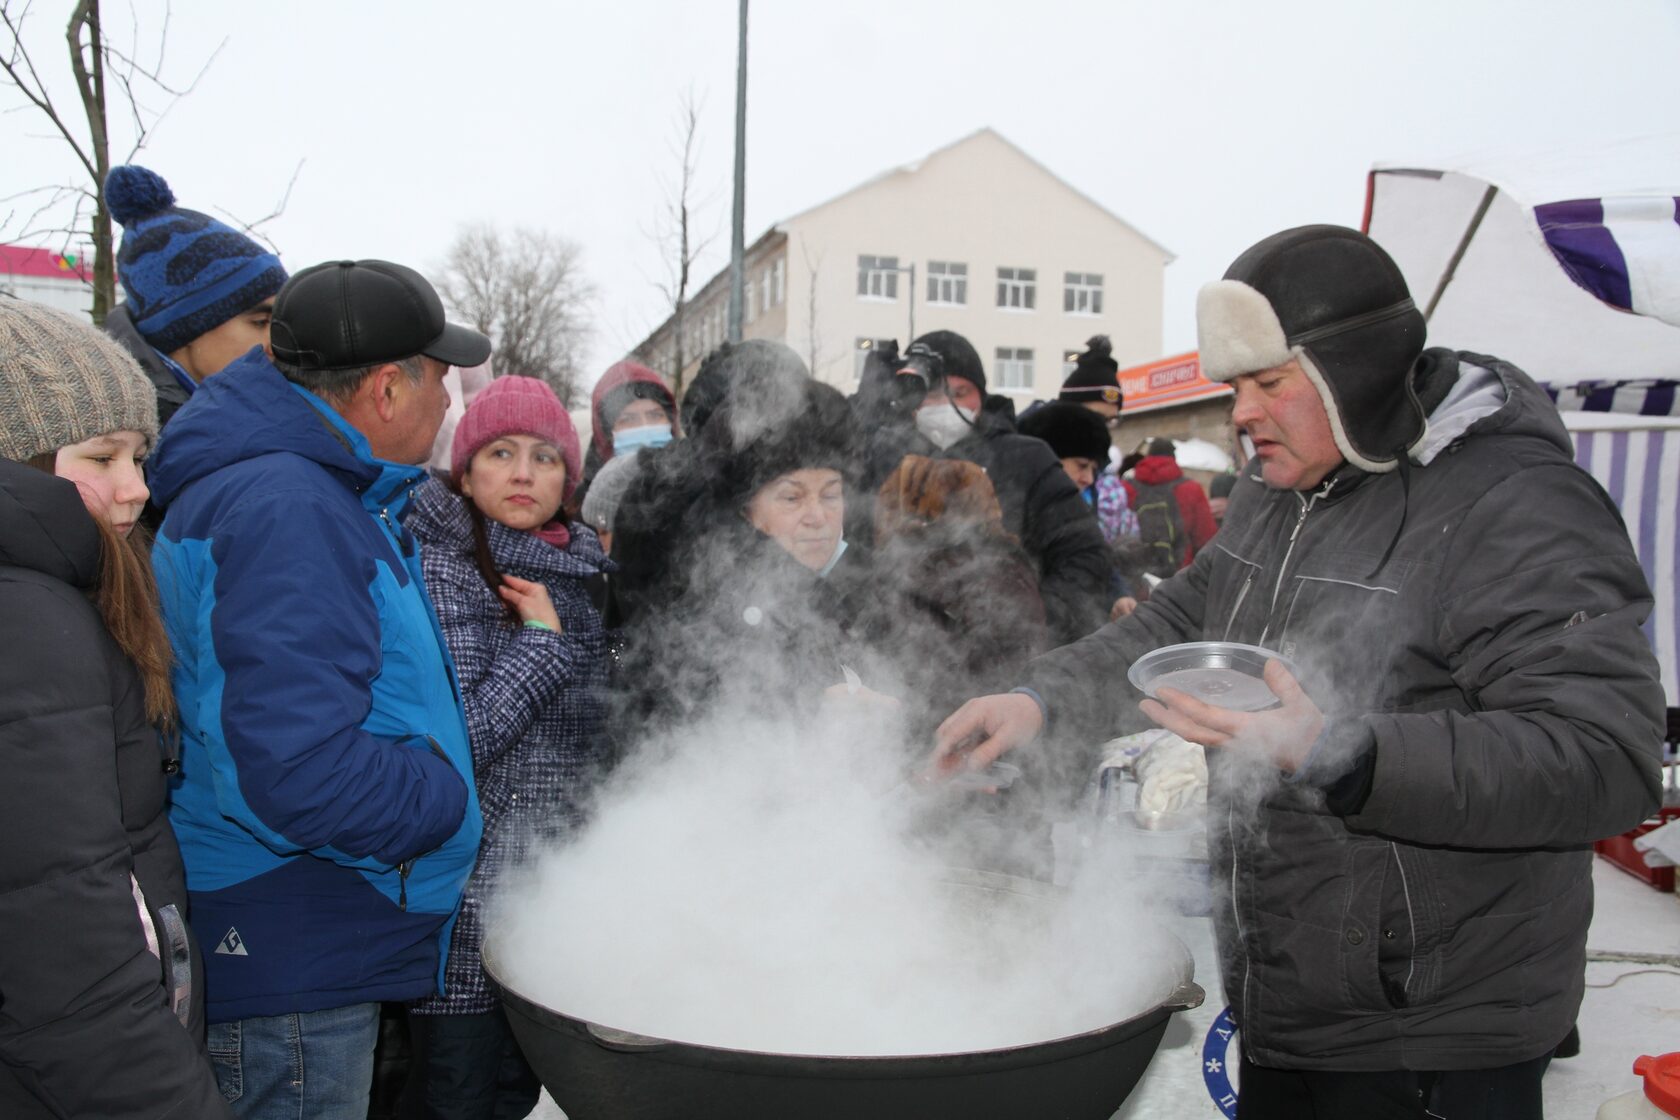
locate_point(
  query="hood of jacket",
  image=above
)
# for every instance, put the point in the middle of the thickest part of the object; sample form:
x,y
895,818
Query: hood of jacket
x,y
47,528
171,393
440,520
618,375
1486,396
1154,470
249,410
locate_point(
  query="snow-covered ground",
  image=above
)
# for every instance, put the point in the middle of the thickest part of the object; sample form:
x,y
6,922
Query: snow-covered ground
x,y
1632,1007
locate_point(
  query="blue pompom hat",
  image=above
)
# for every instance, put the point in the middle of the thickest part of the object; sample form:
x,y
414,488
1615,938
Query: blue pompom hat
x,y
184,273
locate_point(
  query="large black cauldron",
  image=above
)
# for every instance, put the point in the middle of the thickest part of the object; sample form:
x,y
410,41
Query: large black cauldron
x,y
595,1072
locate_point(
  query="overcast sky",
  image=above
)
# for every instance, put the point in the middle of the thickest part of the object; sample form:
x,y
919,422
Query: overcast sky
x,y
1204,123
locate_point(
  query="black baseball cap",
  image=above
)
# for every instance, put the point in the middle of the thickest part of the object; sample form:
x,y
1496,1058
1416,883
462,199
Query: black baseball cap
x,y
350,314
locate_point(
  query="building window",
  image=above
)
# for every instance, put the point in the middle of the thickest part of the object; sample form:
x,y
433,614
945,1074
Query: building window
x,y
1013,367
1018,287
1082,294
877,277
947,283
764,289
778,276
750,308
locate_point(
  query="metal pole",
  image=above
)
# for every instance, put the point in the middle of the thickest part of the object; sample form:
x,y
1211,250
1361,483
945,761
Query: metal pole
x,y
737,249
912,304
1458,253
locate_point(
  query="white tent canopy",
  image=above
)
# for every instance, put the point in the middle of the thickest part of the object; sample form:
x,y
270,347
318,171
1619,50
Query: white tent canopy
x,y
1501,268
1508,294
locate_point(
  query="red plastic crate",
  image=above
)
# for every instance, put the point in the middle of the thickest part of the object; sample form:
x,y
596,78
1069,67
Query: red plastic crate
x,y
1620,851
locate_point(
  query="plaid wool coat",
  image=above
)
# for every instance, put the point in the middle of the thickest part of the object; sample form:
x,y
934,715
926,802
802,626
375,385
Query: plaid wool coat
x,y
535,704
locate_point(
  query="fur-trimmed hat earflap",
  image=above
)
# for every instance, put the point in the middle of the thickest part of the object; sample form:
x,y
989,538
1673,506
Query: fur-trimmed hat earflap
x,y
1237,331
1331,299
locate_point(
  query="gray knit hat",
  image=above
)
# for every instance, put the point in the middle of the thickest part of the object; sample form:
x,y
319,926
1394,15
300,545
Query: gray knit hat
x,y
606,490
62,381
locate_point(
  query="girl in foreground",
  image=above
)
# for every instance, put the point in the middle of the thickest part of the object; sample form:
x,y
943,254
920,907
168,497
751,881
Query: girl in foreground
x,y
104,1009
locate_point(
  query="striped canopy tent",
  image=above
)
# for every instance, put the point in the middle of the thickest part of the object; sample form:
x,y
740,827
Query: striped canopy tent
x,y
1567,263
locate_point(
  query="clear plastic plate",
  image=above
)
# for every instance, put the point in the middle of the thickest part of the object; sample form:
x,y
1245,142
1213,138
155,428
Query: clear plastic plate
x,y
1225,674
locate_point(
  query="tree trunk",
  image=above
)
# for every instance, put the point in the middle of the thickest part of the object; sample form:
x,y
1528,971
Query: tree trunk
x,y
87,61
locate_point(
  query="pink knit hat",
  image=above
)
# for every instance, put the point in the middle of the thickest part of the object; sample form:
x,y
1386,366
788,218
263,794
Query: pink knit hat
x,y
517,406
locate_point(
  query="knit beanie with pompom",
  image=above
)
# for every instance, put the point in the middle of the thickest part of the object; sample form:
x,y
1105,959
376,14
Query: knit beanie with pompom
x,y
184,273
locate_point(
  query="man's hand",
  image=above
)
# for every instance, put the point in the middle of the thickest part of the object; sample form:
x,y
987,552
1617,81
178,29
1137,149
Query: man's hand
x,y
983,729
1283,735
1122,607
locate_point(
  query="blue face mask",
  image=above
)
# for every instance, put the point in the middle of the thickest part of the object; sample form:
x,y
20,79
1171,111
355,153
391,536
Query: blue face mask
x,y
634,439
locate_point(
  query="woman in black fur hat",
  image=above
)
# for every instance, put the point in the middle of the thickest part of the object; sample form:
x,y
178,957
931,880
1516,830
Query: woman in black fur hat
x,y
756,616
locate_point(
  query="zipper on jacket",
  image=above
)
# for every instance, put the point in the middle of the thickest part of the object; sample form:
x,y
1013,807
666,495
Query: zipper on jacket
x,y
1307,503
1236,608
1236,905
1411,921
403,869
395,532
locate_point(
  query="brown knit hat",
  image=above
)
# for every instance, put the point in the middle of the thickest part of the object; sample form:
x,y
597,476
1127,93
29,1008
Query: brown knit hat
x,y
61,382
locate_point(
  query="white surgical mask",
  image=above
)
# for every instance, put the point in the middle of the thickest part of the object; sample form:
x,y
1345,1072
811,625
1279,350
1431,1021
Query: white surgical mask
x,y
944,424
634,439
839,551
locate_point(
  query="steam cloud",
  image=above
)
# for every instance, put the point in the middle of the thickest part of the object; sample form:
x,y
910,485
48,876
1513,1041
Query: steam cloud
x,y
757,876
770,888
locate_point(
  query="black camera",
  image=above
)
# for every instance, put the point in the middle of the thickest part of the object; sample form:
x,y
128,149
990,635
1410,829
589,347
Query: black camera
x,y
923,364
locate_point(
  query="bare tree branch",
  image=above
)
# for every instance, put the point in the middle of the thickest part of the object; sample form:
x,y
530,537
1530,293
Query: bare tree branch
x,y
96,65
680,244
529,294
20,68
813,337
54,201
254,228
143,131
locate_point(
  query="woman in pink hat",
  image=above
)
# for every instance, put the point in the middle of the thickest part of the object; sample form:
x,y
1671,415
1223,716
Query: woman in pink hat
x,y
510,577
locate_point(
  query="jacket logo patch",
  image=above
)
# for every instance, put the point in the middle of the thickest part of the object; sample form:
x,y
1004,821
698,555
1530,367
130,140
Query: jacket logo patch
x,y
231,944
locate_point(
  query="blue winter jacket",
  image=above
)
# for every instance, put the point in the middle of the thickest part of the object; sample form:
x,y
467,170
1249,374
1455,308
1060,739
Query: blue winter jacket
x,y
324,806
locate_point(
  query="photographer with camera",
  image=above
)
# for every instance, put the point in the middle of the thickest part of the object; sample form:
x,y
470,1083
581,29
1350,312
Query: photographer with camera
x,y
930,402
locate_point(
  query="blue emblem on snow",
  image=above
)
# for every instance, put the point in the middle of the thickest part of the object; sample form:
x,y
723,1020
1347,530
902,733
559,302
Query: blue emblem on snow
x,y
1216,1072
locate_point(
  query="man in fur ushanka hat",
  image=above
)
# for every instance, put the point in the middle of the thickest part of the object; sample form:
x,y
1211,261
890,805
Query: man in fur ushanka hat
x,y
1402,840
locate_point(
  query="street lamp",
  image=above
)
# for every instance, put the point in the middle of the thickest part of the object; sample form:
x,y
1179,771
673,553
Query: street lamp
x,y
911,269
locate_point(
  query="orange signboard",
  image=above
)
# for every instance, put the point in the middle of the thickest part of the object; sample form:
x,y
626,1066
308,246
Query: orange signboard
x,y
1166,382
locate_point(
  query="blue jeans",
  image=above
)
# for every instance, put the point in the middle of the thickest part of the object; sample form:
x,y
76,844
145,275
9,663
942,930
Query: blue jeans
x,y
312,1065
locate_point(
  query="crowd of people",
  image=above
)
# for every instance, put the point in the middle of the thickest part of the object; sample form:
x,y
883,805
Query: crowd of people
x,y
282,705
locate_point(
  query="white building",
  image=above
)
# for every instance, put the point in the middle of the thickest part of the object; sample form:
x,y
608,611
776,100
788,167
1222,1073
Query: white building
x,y
49,277
978,238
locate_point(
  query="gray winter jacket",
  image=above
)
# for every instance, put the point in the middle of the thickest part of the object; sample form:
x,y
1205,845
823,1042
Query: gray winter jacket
x,y
1419,897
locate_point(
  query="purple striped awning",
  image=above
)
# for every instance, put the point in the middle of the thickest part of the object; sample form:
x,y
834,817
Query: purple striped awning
x,y
1636,398
1624,250
1641,472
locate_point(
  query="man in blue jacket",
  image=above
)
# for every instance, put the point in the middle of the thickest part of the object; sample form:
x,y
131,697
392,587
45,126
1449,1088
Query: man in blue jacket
x,y
324,804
